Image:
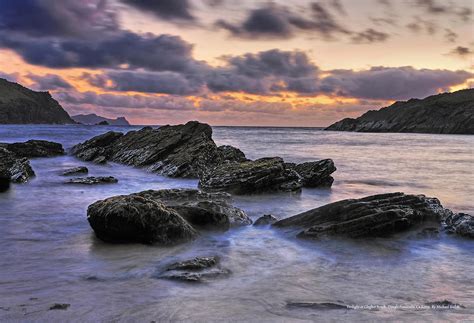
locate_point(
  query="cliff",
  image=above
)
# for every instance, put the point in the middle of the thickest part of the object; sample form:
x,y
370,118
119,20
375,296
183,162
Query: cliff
x,y
447,113
20,105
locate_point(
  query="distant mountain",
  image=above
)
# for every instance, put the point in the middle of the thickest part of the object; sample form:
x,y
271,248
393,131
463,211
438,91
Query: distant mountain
x,y
447,113
20,105
93,119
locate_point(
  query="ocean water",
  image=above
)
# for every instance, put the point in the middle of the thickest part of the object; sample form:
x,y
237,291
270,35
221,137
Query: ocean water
x,y
49,253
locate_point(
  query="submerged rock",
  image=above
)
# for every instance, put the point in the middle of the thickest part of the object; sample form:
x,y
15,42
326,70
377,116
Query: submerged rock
x,y
93,180
76,170
261,175
177,151
462,224
198,269
132,218
265,219
377,215
58,306
444,305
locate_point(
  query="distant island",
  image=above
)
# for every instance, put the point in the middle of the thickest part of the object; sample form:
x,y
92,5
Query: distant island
x,y
447,113
94,119
20,105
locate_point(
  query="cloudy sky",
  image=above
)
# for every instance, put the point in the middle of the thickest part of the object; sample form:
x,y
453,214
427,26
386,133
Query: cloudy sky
x,y
287,63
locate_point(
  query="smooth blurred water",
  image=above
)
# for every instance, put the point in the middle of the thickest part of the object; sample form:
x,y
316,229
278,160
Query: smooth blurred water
x,y
49,254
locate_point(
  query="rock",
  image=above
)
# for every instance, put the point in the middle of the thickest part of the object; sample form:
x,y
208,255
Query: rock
x,y
231,154
428,233
461,224
205,210
444,305
132,218
76,170
176,151
447,113
266,219
318,306
199,269
262,175
198,263
315,174
93,180
102,123
19,105
59,306
377,215
13,168
35,148
92,119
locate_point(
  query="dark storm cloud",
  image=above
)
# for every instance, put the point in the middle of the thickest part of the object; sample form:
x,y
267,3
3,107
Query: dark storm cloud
x,y
161,53
274,21
370,36
43,18
148,82
49,82
389,83
165,9
265,72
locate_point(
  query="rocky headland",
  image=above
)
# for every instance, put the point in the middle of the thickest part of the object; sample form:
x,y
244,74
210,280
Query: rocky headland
x,y
94,119
20,105
447,113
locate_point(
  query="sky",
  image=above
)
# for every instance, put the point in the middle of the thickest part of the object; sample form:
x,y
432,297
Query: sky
x,y
266,63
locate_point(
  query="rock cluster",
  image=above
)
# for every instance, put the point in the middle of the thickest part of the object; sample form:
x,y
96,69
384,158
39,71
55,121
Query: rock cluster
x,y
461,224
163,216
372,216
189,151
14,164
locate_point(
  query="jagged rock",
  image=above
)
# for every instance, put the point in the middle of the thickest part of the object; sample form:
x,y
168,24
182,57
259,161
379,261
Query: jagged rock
x,y
315,174
462,224
201,209
198,269
262,175
137,219
13,168
265,219
376,215
76,170
34,148
93,180
20,105
231,154
176,151
447,113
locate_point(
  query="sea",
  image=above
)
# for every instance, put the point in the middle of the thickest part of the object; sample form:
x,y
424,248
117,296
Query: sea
x,y
50,255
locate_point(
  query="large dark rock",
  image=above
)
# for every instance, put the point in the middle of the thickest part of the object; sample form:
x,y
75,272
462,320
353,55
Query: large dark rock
x,y
265,219
138,219
448,113
13,168
19,105
372,216
315,174
201,209
462,224
261,175
176,215
177,151
35,148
